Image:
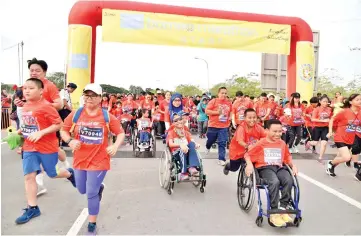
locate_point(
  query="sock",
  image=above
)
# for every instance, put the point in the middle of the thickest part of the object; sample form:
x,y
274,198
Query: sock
x,y
33,207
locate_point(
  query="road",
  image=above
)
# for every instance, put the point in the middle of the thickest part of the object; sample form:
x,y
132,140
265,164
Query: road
x,y
134,203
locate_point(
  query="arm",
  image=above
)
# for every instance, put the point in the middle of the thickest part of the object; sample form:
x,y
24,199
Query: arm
x,y
57,104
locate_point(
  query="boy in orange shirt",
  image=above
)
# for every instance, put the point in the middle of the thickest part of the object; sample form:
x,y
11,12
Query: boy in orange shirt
x,y
40,121
247,134
117,111
268,156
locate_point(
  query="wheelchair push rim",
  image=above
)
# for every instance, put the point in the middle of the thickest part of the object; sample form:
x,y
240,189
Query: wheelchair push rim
x,y
164,170
246,201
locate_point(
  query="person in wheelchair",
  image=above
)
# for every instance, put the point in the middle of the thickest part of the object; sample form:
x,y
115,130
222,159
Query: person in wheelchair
x,y
183,148
248,133
269,156
144,125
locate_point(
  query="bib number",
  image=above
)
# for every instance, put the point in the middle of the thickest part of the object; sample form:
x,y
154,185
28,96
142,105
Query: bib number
x,y
351,128
298,121
273,156
91,135
26,130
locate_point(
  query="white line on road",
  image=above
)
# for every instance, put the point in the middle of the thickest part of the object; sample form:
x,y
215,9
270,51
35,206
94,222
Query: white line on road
x,y
331,190
74,230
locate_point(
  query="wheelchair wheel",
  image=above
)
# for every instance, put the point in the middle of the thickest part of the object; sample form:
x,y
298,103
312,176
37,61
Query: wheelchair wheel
x,y
296,188
164,169
246,189
154,146
136,151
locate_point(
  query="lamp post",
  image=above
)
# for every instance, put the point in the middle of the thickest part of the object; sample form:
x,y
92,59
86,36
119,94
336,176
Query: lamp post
x,y
197,58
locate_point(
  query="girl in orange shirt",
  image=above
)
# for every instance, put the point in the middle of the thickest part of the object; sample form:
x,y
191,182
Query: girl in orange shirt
x,y
297,121
348,123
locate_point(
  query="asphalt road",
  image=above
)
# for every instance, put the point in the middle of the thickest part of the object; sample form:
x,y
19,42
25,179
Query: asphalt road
x,y
134,203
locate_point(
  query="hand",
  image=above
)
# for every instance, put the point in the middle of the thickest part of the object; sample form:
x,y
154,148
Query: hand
x,y
198,145
112,149
294,170
184,148
249,170
34,137
74,145
329,135
234,126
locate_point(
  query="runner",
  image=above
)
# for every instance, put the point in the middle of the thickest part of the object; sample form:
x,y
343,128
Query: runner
x,y
247,134
238,108
40,121
90,147
347,123
309,124
219,111
202,117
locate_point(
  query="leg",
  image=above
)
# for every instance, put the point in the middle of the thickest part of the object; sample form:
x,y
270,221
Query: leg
x,y
200,127
205,125
179,155
222,142
233,165
286,182
292,135
298,131
80,180
94,179
269,174
211,137
192,155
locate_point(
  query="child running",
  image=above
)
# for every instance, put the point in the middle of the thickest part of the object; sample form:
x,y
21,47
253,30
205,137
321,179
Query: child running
x,y
40,121
309,124
247,134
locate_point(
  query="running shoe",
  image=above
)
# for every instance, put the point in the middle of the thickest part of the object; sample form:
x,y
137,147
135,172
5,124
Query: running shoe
x,y
41,190
72,178
221,162
226,168
357,176
314,151
348,163
92,227
29,213
183,176
296,149
330,169
193,171
357,165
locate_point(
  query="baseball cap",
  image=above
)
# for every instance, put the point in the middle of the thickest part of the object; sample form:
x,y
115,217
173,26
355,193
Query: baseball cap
x,y
96,88
296,95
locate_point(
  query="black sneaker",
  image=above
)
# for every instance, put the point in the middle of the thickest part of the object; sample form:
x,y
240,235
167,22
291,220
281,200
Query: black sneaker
x,y
330,169
72,178
226,168
357,165
358,176
102,186
92,227
28,214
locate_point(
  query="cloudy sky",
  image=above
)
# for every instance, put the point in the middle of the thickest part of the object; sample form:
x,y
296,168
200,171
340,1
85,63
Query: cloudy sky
x,y
42,25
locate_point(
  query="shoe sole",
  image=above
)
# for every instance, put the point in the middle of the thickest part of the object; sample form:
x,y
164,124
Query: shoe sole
x,y
357,178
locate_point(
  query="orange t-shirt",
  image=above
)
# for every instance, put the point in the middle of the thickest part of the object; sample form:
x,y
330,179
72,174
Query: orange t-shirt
x,y
147,105
238,109
286,121
50,91
297,113
172,134
347,123
279,111
309,111
37,116
265,153
273,107
237,151
261,109
105,104
321,113
126,117
222,120
117,112
156,116
163,106
130,105
92,132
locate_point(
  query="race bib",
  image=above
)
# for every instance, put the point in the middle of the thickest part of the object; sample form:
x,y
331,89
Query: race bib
x,y
324,116
26,130
223,118
273,156
358,129
351,128
144,124
298,121
180,141
91,135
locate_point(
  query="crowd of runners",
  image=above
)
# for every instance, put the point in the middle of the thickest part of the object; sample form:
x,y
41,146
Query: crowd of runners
x,y
262,131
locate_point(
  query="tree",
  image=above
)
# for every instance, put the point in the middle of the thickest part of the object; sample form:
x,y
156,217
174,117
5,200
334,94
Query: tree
x,y
7,87
58,78
354,86
247,86
188,90
112,89
135,89
325,86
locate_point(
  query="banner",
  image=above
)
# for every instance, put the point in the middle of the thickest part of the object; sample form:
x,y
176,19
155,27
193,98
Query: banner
x,y
79,59
178,30
305,69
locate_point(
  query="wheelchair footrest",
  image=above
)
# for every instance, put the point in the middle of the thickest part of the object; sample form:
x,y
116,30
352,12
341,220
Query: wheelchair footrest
x,y
279,211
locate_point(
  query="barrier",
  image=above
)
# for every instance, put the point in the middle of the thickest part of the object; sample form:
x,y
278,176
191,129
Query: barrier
x,y
5,118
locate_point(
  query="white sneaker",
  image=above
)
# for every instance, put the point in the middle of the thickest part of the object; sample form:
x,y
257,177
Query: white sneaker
x,y
292,150
222,163
296,149
40,179
41,190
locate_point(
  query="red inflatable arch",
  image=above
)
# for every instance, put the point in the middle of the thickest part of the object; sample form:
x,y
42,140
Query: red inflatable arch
x,y
90,13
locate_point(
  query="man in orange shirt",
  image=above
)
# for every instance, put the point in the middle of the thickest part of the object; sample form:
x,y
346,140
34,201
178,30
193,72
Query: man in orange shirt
x,y
247,135
268,156
219,112
238,109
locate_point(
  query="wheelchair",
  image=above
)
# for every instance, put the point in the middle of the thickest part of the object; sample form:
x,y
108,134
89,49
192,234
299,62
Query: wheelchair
x,y
129,132
193,124
149,150
248,187
169,169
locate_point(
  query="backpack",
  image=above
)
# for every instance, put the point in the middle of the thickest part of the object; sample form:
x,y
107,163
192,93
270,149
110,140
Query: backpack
x,y
80,110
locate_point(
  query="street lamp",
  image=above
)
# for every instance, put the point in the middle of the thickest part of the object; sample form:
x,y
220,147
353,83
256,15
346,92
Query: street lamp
x,y
197,58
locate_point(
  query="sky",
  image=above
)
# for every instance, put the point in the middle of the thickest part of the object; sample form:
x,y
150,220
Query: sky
x,y
42,25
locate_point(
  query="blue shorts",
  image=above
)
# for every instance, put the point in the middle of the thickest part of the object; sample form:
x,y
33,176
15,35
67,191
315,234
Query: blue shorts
x,y
32,161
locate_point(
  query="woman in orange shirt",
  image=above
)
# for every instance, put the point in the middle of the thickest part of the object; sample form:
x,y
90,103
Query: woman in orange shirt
x,y
321,116
347,123
90,148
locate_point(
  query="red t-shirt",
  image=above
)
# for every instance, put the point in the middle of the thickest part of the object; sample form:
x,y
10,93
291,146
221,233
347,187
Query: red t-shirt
x,y
177,139
92,132
347,125
37,116
265,153
163,106
297,114
286,121
308,111
222,120
261,109
156,116
50,91
238,109
249,136
273,107
321,113
117,112
147,105
129,105
125,117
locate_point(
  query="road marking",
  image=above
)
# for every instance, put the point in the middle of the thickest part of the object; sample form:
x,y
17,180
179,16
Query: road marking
x,y
331,190
75,228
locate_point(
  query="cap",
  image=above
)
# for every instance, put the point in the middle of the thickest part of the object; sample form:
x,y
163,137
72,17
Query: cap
x,y
296,95
287,112
72,85
96,88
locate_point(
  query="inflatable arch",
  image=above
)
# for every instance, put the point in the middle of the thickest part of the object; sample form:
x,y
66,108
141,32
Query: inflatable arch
x,y
123,20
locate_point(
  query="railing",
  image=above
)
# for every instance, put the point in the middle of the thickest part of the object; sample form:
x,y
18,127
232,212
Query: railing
x,y
5,118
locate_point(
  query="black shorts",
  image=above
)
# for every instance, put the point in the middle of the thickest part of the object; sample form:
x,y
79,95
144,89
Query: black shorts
x,y
356,146
340,145
319,133
235,164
